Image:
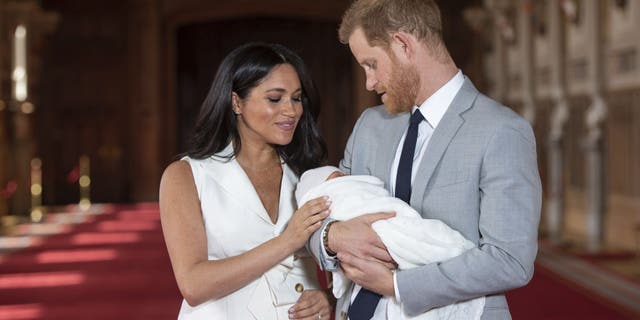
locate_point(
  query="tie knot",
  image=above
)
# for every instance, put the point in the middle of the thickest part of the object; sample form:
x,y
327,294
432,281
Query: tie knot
x,y
416,117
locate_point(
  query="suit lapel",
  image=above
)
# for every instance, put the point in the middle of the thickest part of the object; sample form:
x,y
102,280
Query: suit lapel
x,y
440,140
392,131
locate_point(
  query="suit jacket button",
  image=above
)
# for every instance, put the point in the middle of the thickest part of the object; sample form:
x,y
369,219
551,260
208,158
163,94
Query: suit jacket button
x,y
299,287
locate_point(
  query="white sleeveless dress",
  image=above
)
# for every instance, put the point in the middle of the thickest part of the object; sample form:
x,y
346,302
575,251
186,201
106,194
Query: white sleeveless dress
x,y
235,221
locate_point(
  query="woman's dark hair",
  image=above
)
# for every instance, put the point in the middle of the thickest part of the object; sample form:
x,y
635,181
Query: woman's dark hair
x,y
242,70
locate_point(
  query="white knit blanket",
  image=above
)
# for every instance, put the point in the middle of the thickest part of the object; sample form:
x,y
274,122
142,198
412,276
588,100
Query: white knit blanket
x,y
411,240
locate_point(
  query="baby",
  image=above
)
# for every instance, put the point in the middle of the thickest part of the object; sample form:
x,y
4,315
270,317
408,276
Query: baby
x,y
411,240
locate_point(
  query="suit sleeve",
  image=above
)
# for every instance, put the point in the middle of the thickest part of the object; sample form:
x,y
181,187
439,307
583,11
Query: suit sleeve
x,y
314,244
510,202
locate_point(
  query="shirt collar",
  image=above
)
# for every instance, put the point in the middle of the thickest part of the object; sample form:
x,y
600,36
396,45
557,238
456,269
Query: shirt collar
x,y
436,105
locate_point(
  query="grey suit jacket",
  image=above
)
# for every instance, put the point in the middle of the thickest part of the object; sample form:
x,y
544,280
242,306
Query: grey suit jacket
x,y
479,175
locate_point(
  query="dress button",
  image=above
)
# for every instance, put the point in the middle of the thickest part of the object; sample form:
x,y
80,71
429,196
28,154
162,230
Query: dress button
x,y
299,287
343,315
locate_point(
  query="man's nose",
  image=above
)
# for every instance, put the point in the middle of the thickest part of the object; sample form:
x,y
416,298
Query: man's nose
x,y
371,82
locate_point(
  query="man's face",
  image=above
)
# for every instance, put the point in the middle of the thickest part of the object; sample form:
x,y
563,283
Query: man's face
x,y
396,82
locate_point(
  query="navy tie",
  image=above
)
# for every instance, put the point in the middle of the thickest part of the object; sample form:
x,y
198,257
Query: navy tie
x,y
364,305
366,301
403,179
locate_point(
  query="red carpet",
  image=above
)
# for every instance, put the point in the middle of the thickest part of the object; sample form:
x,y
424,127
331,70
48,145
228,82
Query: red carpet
x,y
550,297
115,266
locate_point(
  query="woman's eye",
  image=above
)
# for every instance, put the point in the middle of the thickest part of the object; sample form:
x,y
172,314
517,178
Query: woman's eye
x,y
297,99
274,100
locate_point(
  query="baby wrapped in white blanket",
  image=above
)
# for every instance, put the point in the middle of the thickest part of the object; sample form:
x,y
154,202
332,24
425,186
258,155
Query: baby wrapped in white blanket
x,y
411,240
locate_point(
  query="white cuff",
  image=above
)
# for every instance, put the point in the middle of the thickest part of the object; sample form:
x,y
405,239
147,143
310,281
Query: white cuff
x,y
395,287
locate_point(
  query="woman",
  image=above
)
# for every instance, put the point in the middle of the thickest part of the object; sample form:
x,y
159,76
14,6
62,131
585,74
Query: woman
x,y
227,208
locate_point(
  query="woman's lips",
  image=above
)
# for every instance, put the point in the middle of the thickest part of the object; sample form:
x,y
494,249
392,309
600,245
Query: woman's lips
x,y
286,125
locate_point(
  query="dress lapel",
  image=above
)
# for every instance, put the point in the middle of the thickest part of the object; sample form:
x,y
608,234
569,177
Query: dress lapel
x,y
231,177
440,140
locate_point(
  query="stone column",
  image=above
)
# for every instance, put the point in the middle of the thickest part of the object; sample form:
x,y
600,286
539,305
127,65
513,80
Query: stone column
x,y
23,147
497,16
23,105
23,151
501,65
145,79
595,116
4,147
559,117
528,64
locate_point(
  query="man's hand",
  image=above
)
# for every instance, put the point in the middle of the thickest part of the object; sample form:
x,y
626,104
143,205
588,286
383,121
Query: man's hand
x,y
356,238
368,274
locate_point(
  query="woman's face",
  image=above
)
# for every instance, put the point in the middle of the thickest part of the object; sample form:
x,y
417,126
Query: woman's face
x,y
270,113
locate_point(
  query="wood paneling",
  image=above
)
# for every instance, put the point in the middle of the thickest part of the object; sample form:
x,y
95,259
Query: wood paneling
x,y
85,100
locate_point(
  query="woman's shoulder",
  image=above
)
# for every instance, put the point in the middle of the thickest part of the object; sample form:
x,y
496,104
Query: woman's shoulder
x,y
178,170
176,179
189,167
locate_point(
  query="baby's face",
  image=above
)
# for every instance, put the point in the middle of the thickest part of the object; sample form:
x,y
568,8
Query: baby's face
x,y
336,174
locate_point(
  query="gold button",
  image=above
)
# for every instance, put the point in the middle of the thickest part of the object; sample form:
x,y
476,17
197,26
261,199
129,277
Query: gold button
x,y
299,287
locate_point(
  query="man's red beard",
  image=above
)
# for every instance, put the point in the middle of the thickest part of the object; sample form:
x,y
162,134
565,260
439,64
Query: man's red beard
x,y
402,89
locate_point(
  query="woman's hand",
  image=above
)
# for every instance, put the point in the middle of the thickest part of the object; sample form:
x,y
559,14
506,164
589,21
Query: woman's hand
x,y
305,221
312,305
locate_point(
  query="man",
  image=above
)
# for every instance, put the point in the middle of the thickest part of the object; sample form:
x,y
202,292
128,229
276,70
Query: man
x,y
451,152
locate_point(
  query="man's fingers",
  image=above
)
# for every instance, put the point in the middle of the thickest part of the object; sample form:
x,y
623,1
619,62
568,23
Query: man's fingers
x,y
389,265
353,267
349,260
381,255
373,217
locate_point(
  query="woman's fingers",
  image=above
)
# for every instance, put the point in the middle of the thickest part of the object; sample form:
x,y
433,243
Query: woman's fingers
x,y
316,206
314,211
318,217
307,219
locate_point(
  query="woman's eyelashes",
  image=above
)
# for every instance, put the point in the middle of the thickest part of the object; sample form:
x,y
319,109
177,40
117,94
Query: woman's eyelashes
x,y
296,99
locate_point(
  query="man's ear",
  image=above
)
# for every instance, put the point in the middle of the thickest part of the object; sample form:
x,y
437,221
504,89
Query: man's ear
x,y
403,45
235,103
